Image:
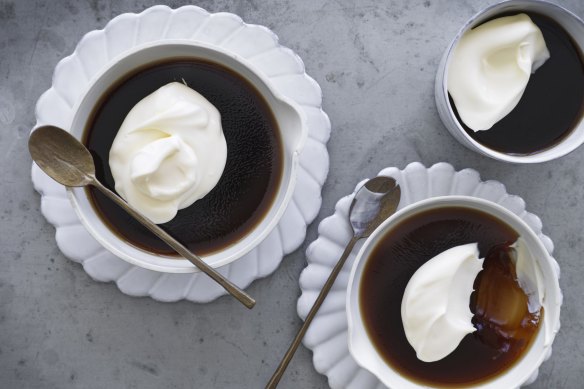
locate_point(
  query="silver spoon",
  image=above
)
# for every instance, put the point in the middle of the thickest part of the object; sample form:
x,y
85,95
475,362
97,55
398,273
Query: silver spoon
x,y
67,161
374,202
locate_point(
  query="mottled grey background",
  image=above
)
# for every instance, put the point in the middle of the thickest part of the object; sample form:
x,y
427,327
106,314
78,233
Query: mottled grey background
x,y
375,61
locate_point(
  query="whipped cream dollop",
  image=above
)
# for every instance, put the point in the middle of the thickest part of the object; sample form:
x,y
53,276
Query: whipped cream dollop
x,y
529,275
490,68
531,280
169,152
435,307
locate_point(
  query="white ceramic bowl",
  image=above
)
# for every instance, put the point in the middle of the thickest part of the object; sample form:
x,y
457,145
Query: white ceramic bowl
x,y
291,123
366,355
569,21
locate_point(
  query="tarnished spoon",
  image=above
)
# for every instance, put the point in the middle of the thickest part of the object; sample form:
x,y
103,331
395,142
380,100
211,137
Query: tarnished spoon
x,y
67,161
373,203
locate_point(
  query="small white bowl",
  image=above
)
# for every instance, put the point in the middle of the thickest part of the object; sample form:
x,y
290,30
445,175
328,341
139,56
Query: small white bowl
x,y
365,353
568,20
290,119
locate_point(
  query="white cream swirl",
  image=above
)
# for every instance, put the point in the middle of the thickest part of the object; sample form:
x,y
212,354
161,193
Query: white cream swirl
x,y
169,152
491,66
435,307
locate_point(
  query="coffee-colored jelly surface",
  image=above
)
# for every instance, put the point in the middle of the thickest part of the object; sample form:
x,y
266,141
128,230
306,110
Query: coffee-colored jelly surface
x,y
552,104
252,174
500,305
505,328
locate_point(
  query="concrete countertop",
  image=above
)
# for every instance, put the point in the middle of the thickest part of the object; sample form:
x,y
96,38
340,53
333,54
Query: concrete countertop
x,y
375,62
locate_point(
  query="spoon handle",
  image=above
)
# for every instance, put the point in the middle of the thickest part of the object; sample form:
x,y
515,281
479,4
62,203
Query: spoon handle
x,y
319,300
234,290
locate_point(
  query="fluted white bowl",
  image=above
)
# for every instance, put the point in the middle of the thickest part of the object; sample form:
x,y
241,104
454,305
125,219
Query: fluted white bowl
x,y
258,46
328,335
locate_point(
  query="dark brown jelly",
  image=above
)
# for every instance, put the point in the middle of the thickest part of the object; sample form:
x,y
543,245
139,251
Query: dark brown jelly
x,y
253,170
505,327
500,306
552,104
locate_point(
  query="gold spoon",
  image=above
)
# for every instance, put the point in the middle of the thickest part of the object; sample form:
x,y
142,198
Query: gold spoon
x,y
67,161
373,203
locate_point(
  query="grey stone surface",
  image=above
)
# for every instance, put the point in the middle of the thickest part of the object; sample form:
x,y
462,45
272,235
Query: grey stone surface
x,y
375,62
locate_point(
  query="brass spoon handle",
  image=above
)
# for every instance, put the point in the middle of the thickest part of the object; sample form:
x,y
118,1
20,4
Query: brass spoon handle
x,y
239,294
319,300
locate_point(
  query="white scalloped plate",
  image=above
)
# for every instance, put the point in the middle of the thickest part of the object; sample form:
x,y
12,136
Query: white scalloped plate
x,y
258,45
327,336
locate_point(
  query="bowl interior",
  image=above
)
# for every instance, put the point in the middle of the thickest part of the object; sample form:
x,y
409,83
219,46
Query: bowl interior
x,y
575,28
291,124
365,353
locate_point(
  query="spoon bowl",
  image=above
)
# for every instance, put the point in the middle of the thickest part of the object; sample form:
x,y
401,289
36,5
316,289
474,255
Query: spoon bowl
x,y
61,156
373,203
